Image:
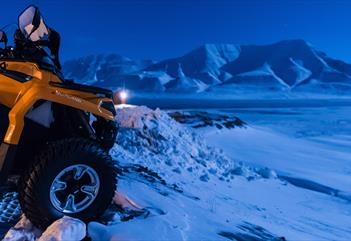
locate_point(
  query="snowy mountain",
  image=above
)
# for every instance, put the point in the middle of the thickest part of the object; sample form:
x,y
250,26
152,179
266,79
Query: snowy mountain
x,y
203,63
103,70
284,67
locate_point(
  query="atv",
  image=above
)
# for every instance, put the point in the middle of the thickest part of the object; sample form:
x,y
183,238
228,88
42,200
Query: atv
x,y
55,134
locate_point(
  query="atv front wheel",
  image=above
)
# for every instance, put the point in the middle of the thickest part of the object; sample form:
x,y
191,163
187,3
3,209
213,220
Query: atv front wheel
x,y
72,177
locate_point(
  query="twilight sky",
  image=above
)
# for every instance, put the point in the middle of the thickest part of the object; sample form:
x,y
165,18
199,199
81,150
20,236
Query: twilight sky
x,y
158,29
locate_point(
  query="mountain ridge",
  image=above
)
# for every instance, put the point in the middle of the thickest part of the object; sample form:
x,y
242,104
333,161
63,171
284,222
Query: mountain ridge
x,y
288,65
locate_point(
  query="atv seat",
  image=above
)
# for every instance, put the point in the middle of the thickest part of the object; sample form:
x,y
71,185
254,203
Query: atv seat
x,y
69,84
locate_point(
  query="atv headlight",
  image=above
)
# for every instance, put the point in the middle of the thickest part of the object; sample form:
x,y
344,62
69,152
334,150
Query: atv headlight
x,y
123,95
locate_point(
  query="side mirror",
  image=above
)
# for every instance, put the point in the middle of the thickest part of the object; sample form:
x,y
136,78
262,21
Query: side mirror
x,y
32,25
3,38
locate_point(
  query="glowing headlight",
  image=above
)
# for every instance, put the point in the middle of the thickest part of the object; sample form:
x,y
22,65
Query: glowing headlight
x,y
123,95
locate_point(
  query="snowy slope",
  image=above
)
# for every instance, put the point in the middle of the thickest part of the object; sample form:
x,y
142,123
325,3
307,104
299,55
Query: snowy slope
x,y
203,63
209,205
296,64
256,80
308,145
184,84
278,56
246,206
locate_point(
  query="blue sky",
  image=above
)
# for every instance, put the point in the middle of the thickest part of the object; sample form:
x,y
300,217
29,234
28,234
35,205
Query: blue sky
x,y
159,29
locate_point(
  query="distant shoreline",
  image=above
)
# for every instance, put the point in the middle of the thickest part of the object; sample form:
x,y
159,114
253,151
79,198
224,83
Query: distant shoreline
x,y
197,103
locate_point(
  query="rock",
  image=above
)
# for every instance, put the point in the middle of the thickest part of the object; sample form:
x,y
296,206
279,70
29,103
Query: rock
x,y
22,231
66,228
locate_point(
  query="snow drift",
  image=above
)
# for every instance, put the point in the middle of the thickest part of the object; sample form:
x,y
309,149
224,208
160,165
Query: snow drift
x,y
153,139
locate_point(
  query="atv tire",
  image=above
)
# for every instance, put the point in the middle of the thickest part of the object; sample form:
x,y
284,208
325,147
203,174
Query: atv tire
x,y
72,177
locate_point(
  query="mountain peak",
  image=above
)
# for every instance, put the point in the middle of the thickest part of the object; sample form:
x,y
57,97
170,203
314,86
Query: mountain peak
x,y
227,52
180,71
294,44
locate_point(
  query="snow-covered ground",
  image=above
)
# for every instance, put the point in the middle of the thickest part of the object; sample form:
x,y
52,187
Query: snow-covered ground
x,y
292,142
306,143
283,175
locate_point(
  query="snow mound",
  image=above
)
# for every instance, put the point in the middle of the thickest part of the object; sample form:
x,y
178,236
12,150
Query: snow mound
x,y
65,228
153,139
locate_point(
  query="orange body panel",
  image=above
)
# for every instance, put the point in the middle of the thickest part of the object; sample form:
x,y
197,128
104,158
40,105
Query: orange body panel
x,y
20,97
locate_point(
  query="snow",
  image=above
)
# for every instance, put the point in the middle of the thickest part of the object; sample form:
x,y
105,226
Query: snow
x,y
101,69
265,69
302,72
203,63
255,75
182,83
163,77
310,143
233,208
284,174
305,159
152,138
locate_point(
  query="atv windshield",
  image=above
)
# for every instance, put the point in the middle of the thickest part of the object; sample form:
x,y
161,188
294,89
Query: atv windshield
x,y
36,40
28,29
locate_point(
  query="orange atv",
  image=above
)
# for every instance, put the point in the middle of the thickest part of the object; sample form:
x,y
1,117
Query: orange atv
x,y
55,134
